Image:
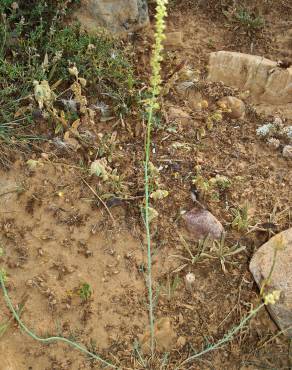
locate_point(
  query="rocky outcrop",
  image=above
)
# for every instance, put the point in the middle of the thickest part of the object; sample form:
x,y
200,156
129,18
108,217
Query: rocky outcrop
x,y
266,82
278,277
117,16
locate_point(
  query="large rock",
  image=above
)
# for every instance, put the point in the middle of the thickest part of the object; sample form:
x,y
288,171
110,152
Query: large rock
x,y
117,16
266,82
281,276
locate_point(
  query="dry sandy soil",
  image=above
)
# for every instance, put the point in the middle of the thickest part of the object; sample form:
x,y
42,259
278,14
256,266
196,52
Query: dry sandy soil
x,y
56,235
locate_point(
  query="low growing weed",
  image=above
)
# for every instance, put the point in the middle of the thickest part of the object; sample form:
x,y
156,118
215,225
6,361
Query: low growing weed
x,y
208,249
243,18
170,287
85,291
242,219
37,45
248,20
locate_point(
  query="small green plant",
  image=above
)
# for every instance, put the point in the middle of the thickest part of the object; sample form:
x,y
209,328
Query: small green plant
x,y
171,286
207,248
248,20
250,23
6,323
242,219
224,252
212,187
201,183
222,182
211,43
85,291
194,253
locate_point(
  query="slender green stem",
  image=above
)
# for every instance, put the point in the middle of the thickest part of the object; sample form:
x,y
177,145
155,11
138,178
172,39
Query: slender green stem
x,y
155,87
49,339
228,337
4,40
267,280
147,226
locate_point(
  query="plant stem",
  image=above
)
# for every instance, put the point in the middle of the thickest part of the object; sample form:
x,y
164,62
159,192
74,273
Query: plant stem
x,y
228,337
147,226
155,87
49,339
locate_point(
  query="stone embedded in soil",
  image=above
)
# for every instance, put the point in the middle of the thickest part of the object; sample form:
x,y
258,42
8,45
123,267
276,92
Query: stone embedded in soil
x,y
117,16
281,277
179,115
287,151
181,342
274,143
164,336
194,99
235,106
189,281
266,82
201,223
173,39
9,190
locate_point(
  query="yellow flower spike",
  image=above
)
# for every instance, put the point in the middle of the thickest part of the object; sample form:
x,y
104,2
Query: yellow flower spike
x,y
154,90
156,59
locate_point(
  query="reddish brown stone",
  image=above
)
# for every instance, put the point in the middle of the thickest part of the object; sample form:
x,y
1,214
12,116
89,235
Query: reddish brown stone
x,y
201,223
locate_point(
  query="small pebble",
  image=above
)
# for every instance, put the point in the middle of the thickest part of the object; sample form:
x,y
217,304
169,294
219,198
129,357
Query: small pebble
x,y
189,281
45,156
278,121
181,342
287,151
274,143
88,253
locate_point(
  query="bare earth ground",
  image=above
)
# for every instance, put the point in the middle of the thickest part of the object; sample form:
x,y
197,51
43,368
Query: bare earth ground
x,y
56,235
